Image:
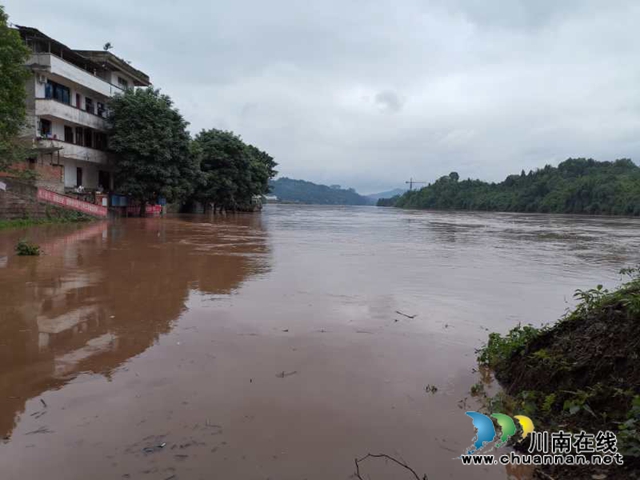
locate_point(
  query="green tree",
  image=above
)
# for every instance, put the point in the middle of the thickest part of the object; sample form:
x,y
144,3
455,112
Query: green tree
x,y
13,75
577,185
232,173
152,145
263,169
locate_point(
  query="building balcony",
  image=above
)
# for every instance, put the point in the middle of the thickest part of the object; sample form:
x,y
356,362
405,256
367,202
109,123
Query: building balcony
x,y
57,67
52,109
75,152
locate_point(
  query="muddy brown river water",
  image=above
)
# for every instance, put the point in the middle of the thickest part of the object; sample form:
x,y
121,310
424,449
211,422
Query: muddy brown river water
x,y
269,346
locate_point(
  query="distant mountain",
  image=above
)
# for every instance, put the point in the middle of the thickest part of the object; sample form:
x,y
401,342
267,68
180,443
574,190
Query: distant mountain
x,y
388,194
301,191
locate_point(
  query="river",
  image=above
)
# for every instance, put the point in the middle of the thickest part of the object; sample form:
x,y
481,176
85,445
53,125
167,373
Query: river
x,y
270,346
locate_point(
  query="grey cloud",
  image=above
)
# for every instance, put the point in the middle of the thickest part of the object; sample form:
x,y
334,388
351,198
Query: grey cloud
x,y
482,87
389,101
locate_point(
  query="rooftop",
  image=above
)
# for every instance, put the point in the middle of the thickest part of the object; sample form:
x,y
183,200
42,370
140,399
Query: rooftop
x,y
114,63
96,62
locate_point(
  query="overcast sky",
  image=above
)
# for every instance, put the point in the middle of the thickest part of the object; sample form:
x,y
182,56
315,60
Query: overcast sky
x,y
368,93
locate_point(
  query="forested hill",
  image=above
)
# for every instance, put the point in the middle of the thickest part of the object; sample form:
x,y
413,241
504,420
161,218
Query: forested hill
x,y
577,185
301,191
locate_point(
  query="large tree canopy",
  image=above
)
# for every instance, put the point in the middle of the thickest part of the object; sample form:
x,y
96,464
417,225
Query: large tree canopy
x,y
152,145
232,172
577,185
13,74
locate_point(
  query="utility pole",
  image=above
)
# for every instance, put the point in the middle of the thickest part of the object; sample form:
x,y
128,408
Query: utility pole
x,y
411,182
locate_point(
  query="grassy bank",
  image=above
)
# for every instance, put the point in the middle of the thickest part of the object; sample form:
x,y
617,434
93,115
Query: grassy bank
x,y
68,217
581,373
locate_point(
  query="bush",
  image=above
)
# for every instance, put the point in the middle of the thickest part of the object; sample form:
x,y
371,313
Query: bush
x,y
26,248
501,348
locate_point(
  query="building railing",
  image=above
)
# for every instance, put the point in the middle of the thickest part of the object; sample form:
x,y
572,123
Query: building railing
x,y
52,139
73,151
112,86
83,69
104,117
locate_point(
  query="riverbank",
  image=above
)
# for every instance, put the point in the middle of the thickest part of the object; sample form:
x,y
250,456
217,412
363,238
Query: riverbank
x,y
575,186
31,222
580,374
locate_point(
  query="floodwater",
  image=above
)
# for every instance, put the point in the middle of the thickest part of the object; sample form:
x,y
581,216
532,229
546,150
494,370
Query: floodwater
x,y
269,346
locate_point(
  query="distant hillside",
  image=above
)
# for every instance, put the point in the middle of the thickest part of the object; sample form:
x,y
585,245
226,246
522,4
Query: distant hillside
x,y
388,194
577,185
301,191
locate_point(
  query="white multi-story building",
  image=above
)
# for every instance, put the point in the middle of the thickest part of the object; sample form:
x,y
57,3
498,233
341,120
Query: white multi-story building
x,y
67,99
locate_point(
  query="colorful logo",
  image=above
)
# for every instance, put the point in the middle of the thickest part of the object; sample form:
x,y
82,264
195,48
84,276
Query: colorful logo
x,y
486,431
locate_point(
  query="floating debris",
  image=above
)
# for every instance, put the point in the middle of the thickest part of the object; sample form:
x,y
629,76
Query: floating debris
x,y
40,430
431,388
405,315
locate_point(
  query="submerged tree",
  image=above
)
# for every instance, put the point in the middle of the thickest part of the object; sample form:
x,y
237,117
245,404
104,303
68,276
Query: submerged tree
x,y
13,74
232,172
153,147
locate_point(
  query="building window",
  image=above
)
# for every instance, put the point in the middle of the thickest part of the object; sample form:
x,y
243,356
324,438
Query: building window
x,y
45,128
88,137
79,136
104,180
68,134
78,101
57,92
89,105
78,177
101,141
123,83
102,111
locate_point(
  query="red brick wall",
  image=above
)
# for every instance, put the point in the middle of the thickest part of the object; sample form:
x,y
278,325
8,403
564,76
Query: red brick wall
x,y
48,176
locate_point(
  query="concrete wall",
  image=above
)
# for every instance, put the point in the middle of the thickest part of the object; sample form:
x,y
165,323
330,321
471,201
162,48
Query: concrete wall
x,y
31,124
124,76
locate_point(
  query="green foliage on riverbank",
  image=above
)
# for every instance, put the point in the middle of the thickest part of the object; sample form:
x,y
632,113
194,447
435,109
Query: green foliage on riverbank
x,y
301,191
582,373
231,173
13,73
24,248
23,223
156,156
53,215
152,145
575,186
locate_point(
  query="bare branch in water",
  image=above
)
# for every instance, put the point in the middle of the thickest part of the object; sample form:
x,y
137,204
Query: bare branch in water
x,y
384,455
